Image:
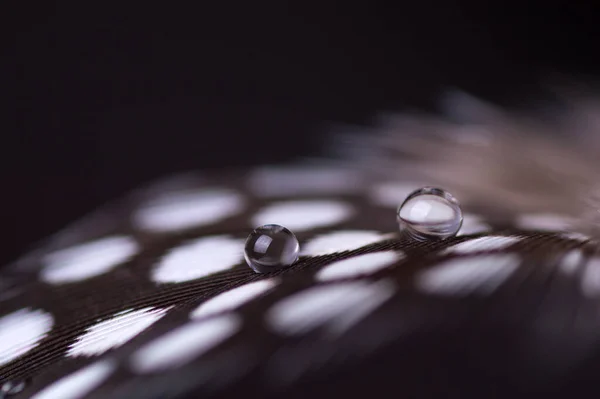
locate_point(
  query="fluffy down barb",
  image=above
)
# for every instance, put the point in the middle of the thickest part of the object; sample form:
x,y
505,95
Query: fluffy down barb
x,y
487,156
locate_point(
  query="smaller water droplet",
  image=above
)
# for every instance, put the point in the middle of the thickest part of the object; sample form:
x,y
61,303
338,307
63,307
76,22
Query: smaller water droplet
x,y
271,247
430,213
10,388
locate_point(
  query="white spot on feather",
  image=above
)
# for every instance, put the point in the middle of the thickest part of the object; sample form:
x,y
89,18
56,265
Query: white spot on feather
x,y
114,332
184,210
463,276
358,265
199,258
21,331
340,241
482,244
87,260
304,215
184,344
233,298
337,306
78,384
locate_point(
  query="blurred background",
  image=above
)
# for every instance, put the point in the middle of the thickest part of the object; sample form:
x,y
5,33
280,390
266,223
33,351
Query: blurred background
x,y
104,98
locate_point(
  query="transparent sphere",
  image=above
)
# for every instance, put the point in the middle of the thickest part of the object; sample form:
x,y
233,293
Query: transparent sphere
x,y
430,213
271,247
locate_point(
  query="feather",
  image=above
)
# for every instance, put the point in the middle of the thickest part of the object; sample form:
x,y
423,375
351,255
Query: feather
x,y
508,161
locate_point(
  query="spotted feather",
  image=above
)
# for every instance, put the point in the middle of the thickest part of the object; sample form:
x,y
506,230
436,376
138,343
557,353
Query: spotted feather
x,y
150,297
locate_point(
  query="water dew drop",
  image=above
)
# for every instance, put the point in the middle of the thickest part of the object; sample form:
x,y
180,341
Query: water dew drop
x,y
271,247
430,213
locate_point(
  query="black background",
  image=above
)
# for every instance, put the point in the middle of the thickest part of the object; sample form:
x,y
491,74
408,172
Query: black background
x,y
103,98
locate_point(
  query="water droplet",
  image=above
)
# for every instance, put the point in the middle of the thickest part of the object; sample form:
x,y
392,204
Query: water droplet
x,y
10,388
271,247
430,213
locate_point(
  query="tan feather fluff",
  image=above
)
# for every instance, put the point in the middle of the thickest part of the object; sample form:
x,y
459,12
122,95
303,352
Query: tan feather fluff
x,y
505,160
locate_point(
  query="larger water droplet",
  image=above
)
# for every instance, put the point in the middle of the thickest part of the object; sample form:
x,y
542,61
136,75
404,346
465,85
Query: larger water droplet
x,y
271,247
430,213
